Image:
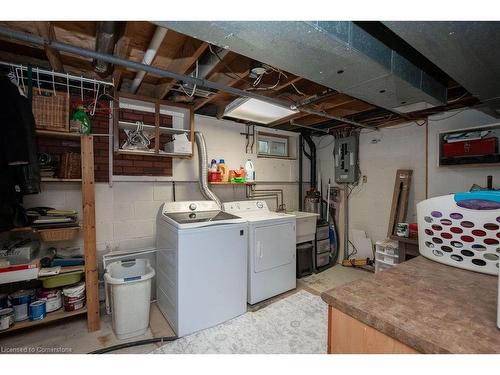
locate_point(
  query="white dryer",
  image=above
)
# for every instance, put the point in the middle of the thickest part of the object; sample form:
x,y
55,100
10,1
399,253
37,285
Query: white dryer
x,y
201,265
271,249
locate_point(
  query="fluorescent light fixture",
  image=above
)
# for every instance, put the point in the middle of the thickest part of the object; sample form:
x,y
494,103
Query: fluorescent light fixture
x,y
256,110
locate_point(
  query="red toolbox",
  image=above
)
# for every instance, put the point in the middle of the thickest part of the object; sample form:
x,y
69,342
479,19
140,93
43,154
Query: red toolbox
x,y
486,146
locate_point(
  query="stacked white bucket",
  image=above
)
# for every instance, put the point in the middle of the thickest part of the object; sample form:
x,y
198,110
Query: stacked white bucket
x,y
460,237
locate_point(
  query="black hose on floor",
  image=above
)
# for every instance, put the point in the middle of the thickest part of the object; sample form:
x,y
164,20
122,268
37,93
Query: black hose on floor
x,y
134,343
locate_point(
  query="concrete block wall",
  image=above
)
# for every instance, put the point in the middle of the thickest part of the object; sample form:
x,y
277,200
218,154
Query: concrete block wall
x,y
403,147
126,211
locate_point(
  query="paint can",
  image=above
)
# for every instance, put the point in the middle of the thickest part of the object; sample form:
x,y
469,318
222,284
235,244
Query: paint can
x,y
74,305
4,301
48,293
52,298
6,318
20,301
37,310
75,290
74,297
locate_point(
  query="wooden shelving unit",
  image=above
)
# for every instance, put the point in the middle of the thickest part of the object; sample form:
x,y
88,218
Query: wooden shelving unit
x,y
53,134
89,236
54,179
152,153
51,317
233,183
155,109
34,229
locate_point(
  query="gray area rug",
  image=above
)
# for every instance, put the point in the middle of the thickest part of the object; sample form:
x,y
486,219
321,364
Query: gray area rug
x,y
294,325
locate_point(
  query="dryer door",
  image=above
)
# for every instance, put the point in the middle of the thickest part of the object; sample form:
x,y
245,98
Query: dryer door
x,y
274,246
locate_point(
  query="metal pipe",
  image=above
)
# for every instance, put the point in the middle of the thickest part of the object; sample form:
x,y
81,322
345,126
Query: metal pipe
x,y
267,192
346,221
312,150
301,146
105,39
257,197
150,54
35,39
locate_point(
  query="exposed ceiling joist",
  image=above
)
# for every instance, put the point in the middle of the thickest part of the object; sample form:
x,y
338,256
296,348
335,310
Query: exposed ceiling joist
x,y
182,64
122,50
220,77
240,67
46,31
289,82
337,101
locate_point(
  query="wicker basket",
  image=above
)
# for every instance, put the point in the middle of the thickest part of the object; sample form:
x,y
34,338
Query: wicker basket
x,y
58,234
71,166
51,111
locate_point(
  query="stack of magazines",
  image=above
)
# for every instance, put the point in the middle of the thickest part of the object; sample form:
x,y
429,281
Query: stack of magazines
x,y
46,217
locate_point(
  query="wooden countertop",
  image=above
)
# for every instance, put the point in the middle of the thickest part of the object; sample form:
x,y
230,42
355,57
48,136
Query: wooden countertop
x,y
429,306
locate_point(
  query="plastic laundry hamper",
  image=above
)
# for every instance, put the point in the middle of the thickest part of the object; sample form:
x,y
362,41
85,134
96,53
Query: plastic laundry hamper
x,y
461,230
130,287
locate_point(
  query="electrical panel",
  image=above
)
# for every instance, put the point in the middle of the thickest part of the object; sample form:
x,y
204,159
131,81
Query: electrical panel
x,y
346,160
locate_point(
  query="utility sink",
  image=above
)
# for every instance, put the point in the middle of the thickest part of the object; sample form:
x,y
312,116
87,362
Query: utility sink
x,y
305,226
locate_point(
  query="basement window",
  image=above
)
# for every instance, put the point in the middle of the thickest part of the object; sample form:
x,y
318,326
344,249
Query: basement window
x,y
272,145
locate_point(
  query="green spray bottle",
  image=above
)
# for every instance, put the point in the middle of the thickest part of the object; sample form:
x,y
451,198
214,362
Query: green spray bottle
x,y
81,116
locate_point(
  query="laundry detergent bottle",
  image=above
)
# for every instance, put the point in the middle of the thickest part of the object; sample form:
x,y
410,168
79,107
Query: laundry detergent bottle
x,y
249,171
221,167
81,117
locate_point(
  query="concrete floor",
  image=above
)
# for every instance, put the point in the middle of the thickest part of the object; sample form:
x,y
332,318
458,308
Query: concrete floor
x,y
331,278
72,334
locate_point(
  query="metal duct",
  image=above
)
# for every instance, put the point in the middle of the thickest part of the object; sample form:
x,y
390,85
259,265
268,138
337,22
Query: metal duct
x,y
203,168
336,54
467,51
106,36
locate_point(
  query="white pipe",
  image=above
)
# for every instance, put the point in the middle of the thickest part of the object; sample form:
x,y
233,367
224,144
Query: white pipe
x,y
150,54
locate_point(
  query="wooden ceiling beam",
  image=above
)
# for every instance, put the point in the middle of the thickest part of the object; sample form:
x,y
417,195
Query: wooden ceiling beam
x,y
122,50
15,58
46,31
348,109
338,100
289,82
240,69
182,64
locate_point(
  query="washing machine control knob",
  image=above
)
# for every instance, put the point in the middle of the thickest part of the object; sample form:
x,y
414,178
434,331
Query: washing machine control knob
x,y
259,205
192,206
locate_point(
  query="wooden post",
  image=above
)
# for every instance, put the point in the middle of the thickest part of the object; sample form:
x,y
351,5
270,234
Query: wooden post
x,y
89,236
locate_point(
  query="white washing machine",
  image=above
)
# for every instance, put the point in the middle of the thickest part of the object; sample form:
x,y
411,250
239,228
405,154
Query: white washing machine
x,y
201,265
271,249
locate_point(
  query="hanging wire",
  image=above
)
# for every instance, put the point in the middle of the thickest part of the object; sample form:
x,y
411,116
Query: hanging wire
x,y
194,87
448,117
